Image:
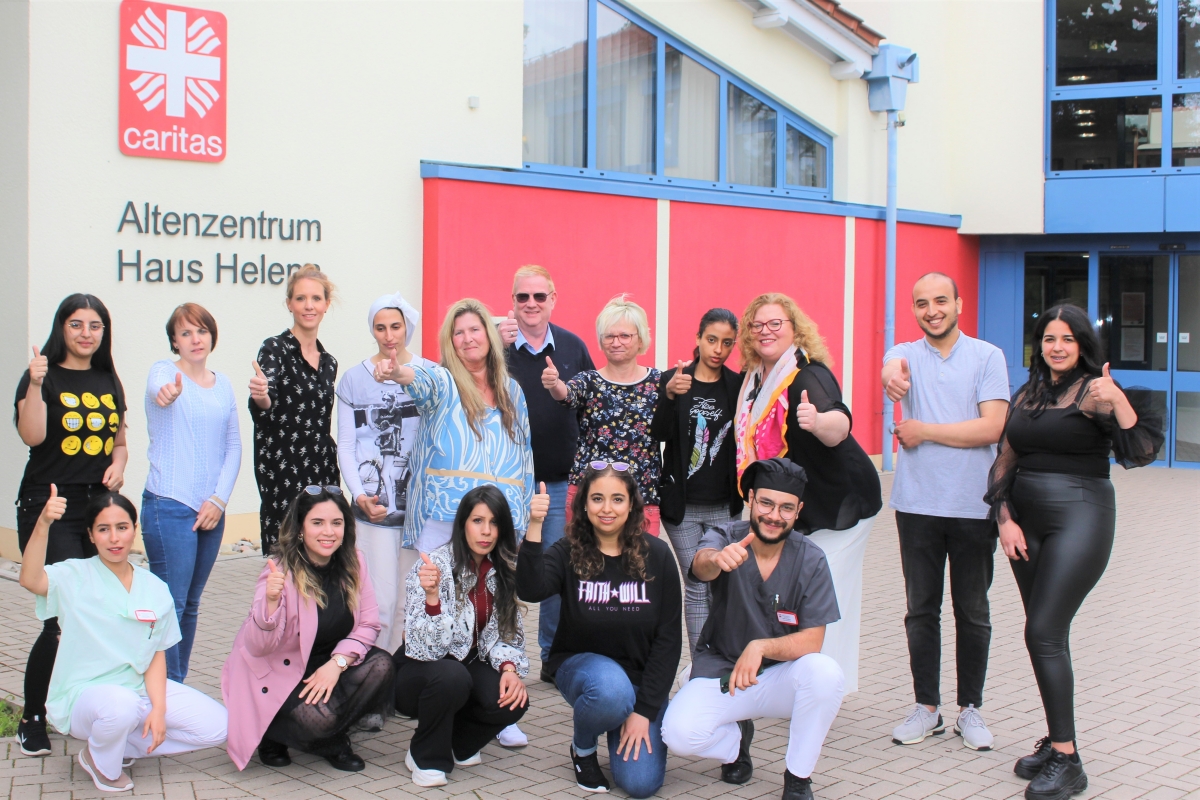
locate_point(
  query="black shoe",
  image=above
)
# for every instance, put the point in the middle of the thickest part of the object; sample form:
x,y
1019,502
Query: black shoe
x,y
1029,766
796,788
546,677
588,774
741,769
347,761
273,754
1061,776
31,736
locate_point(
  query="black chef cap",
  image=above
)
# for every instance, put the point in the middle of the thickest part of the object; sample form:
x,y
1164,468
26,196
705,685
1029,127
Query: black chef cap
x,y
777,474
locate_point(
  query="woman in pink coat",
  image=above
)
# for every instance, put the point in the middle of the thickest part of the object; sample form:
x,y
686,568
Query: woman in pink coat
x,y
304,666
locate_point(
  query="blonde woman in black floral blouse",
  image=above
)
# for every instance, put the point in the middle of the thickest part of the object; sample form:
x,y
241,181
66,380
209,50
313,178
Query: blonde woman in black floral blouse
x,y
291,403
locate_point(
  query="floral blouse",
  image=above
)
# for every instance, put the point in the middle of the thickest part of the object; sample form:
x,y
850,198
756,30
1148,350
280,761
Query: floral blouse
x,y
614,425
293,446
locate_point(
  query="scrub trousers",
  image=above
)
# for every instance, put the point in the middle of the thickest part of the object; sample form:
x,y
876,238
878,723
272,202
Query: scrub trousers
x,y
703,721
110,719
844,553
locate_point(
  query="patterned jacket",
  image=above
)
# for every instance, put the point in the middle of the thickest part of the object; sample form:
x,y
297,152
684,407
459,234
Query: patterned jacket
x,y
452,632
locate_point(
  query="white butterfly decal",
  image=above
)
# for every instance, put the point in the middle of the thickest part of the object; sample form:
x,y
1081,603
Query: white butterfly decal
x,y
1139,26
1112,7
1112,48
1194,20
1089,13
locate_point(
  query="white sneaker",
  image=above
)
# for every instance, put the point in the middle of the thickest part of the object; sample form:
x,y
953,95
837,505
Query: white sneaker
x,y
974,733
424,777
473,761
512,736
920,723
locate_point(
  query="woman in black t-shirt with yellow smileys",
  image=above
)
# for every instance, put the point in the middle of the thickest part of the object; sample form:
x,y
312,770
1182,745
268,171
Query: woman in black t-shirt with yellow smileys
x,y
70,410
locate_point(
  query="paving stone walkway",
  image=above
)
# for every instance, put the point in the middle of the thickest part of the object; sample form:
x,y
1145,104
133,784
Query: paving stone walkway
x,y
1137,672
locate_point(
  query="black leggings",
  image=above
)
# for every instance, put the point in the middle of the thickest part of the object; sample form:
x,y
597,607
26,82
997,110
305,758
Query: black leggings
x,y
1068,523
68,539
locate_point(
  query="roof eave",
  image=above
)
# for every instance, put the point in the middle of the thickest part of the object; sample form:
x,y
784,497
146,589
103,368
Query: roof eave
x,y
839,38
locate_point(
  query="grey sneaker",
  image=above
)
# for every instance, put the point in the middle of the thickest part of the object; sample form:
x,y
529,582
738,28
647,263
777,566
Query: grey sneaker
x,y
974,733
919,724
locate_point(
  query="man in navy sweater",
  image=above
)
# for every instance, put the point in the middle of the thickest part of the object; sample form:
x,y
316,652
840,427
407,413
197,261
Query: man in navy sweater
x,y
530,339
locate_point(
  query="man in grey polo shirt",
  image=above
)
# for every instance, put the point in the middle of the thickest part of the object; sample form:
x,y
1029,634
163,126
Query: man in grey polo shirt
x,y
954,393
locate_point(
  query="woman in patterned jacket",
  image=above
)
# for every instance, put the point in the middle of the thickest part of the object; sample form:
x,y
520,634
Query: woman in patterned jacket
x,y
459,672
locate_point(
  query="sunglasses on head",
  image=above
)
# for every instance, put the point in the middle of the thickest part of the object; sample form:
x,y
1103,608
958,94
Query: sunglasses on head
x,y
538,297
619,466
316,490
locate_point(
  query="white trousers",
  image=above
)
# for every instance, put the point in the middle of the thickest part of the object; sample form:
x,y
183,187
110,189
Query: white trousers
x,y
110,718
388,563
844,553
702,720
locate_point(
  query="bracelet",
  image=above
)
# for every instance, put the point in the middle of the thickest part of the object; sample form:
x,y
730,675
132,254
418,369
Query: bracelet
x,y
216,501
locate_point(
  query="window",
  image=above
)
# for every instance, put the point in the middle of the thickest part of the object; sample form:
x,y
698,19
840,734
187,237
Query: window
x,y
1112,133
1133,307
1103,41
1188,42
609,95
1050,279
1185,130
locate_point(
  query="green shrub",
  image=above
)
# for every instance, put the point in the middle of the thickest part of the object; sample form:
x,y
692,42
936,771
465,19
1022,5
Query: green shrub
x,y
10,715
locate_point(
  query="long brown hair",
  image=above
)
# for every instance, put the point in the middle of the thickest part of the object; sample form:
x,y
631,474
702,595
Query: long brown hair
x,y
503,555
586,559
497,372
805,332
293,558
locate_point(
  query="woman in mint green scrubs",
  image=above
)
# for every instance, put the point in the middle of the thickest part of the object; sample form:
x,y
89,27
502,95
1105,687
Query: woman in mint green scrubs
x,y
110,685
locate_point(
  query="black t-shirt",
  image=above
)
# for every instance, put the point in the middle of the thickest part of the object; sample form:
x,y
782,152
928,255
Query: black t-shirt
x,y
798,595
84,412
1059,440
334,622
709,428
635,623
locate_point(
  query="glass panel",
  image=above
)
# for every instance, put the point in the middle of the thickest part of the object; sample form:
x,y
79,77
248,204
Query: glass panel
x,y
1187,357
805,160
625,74
692,118
555,59
1106,41
1133,311
1189,39
1050,279
1187,426
1112,133
750,140
1185,130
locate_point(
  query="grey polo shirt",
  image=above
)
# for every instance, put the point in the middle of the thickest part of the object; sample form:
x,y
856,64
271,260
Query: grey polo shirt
x,y
934,479
799,594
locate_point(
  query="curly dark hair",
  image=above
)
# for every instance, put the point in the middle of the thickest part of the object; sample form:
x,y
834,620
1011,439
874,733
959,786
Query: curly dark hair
x,y
1039,391
586,559
503,555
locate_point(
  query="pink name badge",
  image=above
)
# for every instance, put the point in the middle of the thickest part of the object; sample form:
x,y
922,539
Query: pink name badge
x,y
145,616
788,618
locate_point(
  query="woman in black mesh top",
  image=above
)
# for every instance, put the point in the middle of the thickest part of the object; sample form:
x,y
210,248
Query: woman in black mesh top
x,y
1050,493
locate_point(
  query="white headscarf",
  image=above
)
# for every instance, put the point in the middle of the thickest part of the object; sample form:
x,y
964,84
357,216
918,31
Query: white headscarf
x,y
396,301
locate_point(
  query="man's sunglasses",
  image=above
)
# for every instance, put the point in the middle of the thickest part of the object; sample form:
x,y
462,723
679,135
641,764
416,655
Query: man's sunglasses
x,y
538,297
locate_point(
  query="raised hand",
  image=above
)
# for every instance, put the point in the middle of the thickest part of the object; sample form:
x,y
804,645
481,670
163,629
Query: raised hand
x,y
431,580
507,328
259,387
900,382
732,556
55,507
550,374
38,367
1105,390
385,370
681,382
539,506
275,581
806,413
170,391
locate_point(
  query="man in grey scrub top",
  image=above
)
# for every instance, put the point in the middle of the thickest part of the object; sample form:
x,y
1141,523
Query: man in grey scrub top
x,y
759,654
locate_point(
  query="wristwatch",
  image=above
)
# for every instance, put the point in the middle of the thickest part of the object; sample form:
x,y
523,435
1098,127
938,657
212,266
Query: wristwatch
x,y
341,662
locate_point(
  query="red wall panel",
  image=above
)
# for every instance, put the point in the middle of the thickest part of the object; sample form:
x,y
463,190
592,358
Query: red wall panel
x,y
478,234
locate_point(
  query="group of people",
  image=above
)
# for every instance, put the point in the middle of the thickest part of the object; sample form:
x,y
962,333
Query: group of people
x,y
514,472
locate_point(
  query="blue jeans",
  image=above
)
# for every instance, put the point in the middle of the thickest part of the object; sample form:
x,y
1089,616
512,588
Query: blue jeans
x,y
553,529
183,558
602,697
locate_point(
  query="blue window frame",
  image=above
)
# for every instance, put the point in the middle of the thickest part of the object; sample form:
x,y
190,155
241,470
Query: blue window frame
x,y
655,110
1122,88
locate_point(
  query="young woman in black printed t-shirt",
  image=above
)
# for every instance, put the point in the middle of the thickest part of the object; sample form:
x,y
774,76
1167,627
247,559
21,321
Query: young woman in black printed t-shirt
x,y
70,410
617,645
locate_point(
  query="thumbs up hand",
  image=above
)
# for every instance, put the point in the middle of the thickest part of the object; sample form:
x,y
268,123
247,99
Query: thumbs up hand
x,y
900,382
170,391
681,382
275,581
1105,390
806,413
431,580
55,507
732,556
507,328
550,374
259,386
539,506
38,367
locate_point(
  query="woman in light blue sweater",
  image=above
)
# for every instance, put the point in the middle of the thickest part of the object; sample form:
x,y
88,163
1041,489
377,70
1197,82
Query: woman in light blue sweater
x,y
195,453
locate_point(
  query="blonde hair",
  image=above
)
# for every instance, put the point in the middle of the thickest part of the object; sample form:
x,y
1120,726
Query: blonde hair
x,y
497,372
533,271
313,273
622,309
804,331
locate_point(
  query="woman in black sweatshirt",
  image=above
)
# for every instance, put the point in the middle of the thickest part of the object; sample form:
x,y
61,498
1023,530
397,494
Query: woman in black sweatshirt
x,y
619,637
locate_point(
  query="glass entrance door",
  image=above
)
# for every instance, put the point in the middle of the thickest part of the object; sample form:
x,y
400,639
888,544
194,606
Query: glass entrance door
x,y
1186,341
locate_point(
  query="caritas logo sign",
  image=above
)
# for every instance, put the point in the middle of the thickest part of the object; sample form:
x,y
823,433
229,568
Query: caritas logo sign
x,y
172,82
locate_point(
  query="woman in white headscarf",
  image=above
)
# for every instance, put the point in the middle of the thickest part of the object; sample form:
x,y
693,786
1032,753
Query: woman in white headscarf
x,y
377,426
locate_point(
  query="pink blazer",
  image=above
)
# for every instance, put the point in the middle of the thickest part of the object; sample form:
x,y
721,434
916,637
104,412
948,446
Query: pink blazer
x,y
269,655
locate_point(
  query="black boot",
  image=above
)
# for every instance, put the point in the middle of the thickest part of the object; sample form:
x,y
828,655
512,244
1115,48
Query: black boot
x,y
346,760
741,769
1061,776
796,788
273,754
1029,766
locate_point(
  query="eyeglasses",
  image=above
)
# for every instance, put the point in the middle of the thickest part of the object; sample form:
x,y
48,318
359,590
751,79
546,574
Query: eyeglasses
x,y
623,338
316,490
619,466
771,325
76,326
538,297
768,507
